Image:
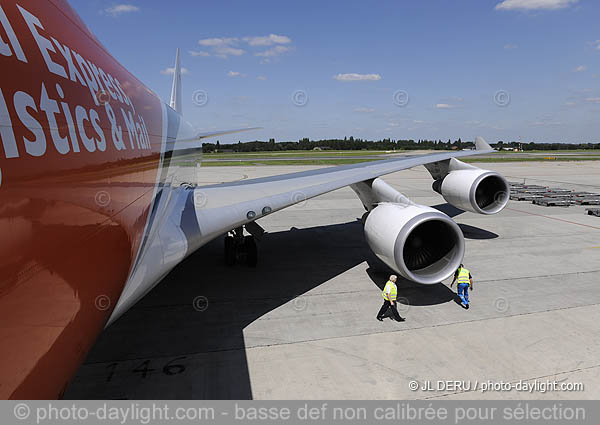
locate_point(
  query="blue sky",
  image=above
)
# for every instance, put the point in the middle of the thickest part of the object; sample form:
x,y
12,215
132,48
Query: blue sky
x,y
507,70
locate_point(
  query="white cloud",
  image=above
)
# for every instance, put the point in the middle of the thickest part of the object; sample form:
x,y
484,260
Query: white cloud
x,y
357,77
120,9
171,71
510,46
221,47
364,110
570,103
534,4
198,53
273,51
580,68
593,99
217,41
224,51
267,40
261,77
444,106
235,74
224,47
596,44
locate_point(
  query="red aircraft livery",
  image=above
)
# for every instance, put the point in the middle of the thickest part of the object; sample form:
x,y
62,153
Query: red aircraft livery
x,y
81,142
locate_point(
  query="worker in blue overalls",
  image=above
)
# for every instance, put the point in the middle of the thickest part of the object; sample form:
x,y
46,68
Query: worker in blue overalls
x,y
464,282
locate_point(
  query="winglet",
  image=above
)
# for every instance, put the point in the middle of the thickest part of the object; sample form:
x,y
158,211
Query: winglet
x,y
176,89
482,145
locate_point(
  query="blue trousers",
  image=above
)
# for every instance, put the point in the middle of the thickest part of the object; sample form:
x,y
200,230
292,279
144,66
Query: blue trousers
x,y
463,292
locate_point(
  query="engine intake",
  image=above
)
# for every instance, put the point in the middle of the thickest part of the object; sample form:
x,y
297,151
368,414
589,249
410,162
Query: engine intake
x,y
475,190
420,243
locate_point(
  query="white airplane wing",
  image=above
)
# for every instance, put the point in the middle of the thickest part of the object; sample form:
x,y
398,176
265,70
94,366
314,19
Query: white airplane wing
x,y
223,207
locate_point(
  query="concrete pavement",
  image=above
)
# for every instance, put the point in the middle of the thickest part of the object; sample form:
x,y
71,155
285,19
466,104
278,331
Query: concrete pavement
x,y
302,324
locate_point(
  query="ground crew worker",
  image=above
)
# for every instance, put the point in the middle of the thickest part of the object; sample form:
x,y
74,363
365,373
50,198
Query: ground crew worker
x,y
390,291
464,282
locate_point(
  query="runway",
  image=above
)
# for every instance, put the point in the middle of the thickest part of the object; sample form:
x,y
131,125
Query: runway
x,y
302,324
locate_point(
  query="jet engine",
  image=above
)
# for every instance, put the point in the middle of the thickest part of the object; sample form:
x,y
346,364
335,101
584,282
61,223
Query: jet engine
x,y
475,190
420,243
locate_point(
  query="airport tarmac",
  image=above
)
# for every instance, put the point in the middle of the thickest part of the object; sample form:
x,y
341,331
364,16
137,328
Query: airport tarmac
x,y
302,324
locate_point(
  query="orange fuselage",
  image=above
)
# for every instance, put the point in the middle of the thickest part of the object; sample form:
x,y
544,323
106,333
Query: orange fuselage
x,y
81,143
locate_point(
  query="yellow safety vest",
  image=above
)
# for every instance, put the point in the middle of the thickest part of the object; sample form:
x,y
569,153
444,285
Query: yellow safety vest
x,y
463,276
393,292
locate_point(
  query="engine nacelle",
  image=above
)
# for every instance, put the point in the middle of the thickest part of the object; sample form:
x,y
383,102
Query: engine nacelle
x,y
475,190
420,243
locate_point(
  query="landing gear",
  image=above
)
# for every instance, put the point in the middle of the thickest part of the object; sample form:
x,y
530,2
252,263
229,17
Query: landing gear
x,y
240,247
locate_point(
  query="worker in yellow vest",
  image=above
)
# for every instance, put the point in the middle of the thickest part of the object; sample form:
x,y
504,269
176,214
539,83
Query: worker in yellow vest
x,y
390,291
464,282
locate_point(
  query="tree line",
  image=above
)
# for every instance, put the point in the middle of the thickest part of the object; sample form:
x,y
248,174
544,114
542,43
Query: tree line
x,y
352,144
